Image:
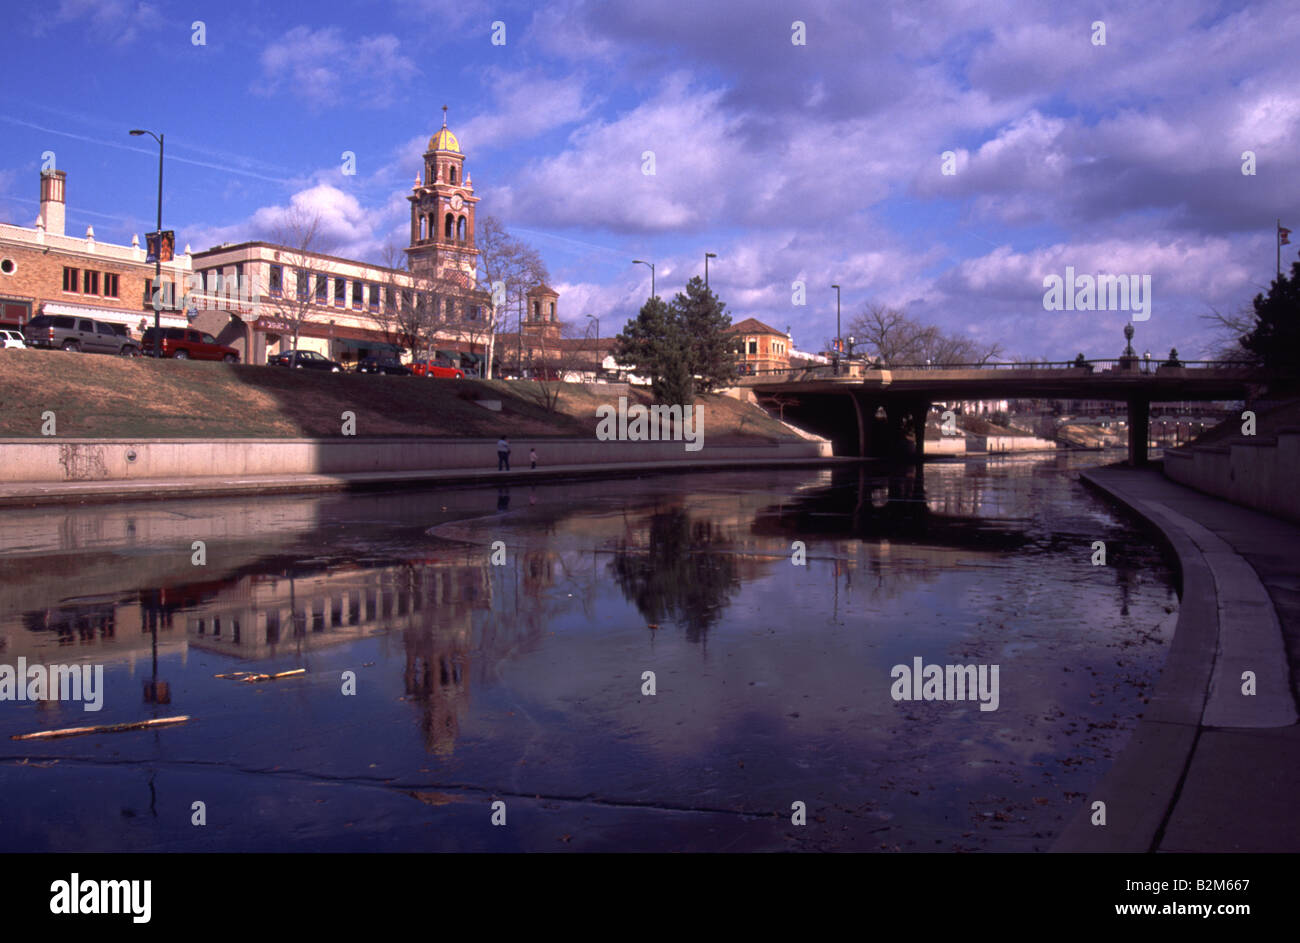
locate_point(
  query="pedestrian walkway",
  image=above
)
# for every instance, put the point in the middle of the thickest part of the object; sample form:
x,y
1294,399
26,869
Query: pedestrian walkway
x,y
1210,768
30,493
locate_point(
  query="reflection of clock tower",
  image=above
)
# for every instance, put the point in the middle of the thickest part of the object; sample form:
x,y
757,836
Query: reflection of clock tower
x,y
442,214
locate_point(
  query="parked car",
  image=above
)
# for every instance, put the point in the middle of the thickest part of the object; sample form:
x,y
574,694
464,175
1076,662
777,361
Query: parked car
x,y
389,365
68,332
185,343
436,368
9,338
304,360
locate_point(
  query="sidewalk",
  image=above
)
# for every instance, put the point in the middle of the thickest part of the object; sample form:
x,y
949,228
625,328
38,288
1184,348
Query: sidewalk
x,y
33,493
1209,769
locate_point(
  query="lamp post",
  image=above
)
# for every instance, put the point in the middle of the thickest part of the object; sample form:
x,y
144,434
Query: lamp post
x,y
652,274
1146,357
837,329
157,257
707,256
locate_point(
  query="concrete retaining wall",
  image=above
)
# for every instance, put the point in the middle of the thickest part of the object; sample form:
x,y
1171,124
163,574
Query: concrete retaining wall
x,y
56,460
1007,443
1258,472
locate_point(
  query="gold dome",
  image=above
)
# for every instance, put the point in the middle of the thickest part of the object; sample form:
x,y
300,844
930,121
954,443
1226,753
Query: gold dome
x,y
444,140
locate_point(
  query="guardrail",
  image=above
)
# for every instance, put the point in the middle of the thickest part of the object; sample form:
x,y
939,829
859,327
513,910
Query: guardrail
x,y
849,368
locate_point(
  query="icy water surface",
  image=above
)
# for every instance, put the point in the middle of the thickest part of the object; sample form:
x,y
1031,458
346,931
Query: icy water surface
x,y
522,683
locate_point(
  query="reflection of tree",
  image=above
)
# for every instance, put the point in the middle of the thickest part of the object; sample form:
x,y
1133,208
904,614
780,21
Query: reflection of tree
x,y
678,577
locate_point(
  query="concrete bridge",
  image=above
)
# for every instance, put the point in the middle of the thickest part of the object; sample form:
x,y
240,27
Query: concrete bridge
x,y
881,412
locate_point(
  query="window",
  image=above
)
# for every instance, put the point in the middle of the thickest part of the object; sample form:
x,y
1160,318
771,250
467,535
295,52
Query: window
x,y
208,338
452,168
276,284
751,346
104,329
460,229
406,301
390,299
537,310
90,282
303,286
85,325
340,292
71,279
110,285
358,289
322,289
552,310
447,226
374,297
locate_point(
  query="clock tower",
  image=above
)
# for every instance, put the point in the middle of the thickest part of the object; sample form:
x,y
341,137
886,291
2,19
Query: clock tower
x,y
442,215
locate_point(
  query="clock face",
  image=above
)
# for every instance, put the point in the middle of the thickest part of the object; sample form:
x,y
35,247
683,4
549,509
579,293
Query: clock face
x,y
456,202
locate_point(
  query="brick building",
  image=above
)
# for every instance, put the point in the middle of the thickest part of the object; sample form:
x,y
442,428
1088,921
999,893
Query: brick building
x,y
45,271
761,347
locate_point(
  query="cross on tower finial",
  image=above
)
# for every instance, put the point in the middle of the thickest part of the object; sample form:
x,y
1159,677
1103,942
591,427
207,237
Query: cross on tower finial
x,y
444,116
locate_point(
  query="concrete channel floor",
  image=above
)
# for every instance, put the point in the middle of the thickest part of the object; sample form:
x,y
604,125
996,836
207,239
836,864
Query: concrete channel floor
x,y
1210,769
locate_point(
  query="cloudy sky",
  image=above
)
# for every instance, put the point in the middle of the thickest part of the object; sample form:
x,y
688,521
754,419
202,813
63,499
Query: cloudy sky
x,y
819,162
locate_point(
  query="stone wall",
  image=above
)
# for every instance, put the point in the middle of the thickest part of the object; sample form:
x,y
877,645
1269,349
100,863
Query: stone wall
x,y
1254,471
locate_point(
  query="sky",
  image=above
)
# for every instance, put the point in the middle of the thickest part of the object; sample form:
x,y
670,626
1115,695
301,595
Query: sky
x,y
819,161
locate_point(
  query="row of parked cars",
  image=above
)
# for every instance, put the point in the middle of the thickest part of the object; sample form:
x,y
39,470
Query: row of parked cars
x,y
310,360
67,332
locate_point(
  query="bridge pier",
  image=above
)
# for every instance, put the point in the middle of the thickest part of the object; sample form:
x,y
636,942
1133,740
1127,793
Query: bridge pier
x,y
1139,430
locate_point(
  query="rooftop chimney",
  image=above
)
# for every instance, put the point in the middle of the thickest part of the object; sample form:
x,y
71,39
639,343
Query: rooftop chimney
x,y
53,200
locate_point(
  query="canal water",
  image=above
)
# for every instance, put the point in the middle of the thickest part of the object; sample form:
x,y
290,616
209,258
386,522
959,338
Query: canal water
x,y
477,664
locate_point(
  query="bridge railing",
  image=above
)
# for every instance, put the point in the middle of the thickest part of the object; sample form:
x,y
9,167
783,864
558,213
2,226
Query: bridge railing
x,y
866,368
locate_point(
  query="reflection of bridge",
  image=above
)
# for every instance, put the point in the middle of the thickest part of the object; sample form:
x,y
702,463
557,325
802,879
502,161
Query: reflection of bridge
x,y
878,412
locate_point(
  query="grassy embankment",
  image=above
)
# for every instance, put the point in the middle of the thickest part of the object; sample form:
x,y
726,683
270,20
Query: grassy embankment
x,y
95,395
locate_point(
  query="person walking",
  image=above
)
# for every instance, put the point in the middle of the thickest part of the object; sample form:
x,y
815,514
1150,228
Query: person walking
x,y
532,457
503,454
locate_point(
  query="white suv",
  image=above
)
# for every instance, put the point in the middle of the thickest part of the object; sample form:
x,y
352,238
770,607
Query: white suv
x,y
12,339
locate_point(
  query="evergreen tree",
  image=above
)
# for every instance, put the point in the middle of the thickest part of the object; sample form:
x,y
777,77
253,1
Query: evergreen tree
x,y
1275,340
653,345
711,350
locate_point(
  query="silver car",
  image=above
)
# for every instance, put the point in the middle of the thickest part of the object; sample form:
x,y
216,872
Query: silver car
x,y
12,339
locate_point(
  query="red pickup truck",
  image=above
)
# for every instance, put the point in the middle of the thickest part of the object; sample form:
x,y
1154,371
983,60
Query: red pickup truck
x,y
436,368
187,344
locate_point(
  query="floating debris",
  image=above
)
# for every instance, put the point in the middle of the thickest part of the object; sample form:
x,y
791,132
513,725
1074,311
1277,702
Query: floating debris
x,y
253,677
105,728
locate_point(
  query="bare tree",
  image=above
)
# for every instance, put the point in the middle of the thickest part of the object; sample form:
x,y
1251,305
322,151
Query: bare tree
x,y
509,264
406,315
897,339
1228,330
288,293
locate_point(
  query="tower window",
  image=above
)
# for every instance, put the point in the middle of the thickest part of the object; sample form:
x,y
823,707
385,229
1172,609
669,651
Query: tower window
x,y
448,225
537,310
460,229
552,310
452,168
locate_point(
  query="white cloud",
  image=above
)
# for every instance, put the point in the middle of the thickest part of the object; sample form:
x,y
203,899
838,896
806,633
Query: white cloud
x,y
323,67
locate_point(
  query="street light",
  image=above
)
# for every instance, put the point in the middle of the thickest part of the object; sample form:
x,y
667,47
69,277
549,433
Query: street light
x,y
597,320
652,275
157,257
707,256
837,329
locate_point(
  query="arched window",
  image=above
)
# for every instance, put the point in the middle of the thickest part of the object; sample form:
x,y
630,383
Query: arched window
x,y
552,310
452,168
448,226
537,310
460,229
424,228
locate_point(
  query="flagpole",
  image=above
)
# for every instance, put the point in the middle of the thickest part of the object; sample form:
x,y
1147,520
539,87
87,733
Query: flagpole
x,y
1277,236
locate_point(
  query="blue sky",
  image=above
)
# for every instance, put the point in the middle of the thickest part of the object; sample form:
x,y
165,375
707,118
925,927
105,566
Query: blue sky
x,y
818,162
